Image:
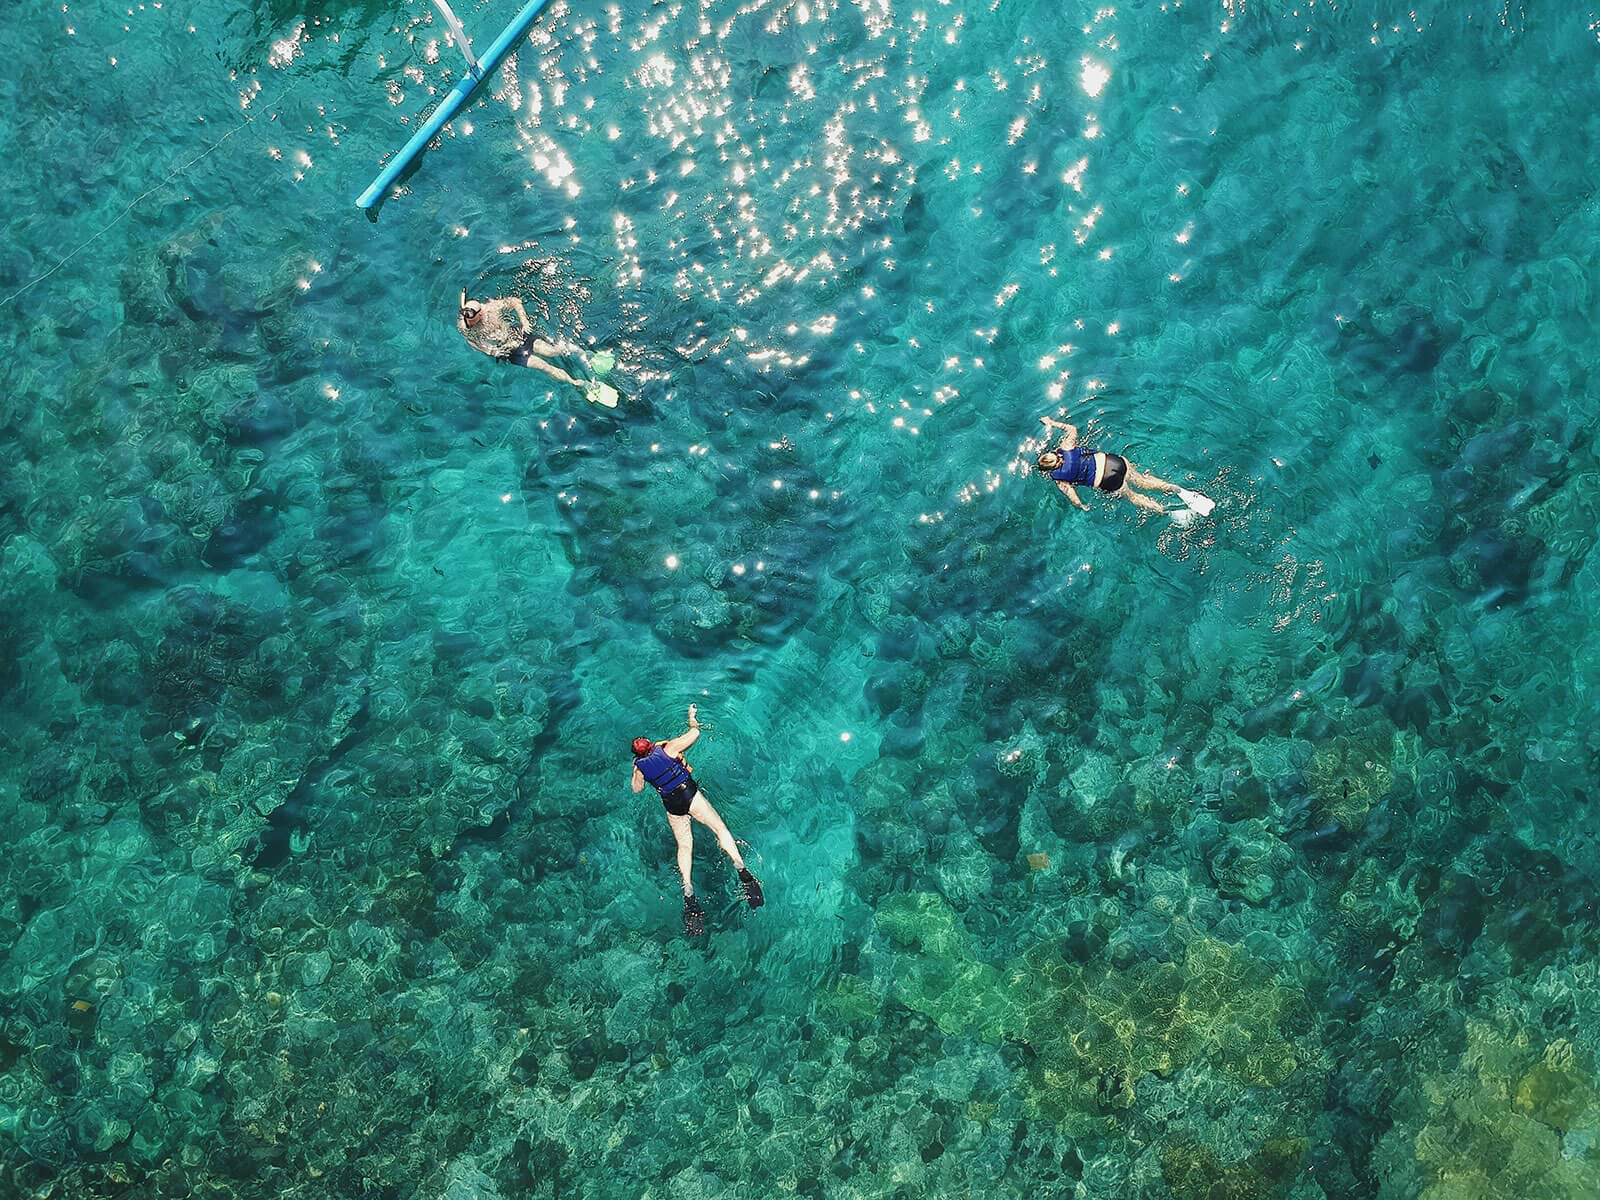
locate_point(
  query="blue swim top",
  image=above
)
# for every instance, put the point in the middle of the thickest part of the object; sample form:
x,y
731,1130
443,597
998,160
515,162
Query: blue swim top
x,y
1077,466
661,771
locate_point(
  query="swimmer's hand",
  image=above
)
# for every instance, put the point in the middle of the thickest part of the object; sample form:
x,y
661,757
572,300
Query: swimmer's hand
x,y
694,721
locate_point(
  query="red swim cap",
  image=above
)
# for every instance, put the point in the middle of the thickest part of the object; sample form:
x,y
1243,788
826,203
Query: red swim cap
x,y
642,746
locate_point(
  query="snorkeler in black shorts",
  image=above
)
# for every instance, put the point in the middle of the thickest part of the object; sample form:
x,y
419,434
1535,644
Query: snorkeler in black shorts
x,y
1072,466
661,764
487,326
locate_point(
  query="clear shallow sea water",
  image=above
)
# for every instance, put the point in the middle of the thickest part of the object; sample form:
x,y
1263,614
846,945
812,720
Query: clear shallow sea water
x,y
322,638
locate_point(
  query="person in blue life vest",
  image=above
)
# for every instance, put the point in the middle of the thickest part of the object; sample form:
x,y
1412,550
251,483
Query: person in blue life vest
x,y
1072,465
662,766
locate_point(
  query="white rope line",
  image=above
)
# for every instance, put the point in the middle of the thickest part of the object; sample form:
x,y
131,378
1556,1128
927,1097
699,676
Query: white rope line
x,y
137,200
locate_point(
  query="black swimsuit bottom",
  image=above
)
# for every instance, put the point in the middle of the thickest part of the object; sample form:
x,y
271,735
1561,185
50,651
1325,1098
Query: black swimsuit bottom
x,y
523,352
1116,471
680,797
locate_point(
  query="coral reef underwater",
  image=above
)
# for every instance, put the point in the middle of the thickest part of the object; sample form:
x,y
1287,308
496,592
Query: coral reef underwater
x,y
1104,859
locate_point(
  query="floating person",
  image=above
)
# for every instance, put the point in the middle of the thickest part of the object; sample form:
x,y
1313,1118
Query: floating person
x,y
662,766
487,326
1070,464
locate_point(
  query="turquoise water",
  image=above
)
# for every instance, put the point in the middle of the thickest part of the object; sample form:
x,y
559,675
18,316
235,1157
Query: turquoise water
x,y
1103,857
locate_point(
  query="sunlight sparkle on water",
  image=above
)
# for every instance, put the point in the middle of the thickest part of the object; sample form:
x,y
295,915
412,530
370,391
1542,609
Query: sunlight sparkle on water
x,y
1094,77
828,154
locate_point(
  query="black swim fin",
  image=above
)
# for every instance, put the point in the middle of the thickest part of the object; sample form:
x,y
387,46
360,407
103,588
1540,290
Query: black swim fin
x,y
694,917
752,888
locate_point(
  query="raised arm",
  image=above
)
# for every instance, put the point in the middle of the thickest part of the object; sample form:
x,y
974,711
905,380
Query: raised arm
x,y
684,740
1069,431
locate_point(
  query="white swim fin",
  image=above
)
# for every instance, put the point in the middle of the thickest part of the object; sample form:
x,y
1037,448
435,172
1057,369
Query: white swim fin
x,y
1198,504
602,394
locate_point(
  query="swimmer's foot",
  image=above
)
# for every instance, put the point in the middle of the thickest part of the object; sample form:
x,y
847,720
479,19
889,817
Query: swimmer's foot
x,y
752,888
694,917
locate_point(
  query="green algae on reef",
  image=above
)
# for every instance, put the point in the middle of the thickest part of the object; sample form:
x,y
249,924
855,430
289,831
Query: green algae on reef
x,y
322,639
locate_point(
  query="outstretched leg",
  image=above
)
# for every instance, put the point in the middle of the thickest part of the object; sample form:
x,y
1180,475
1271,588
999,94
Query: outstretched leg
x,y
700,809
1141,479
534,362
684,832
1148,503
1155,483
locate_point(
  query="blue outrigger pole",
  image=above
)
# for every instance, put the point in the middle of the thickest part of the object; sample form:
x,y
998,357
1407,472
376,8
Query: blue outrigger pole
x,y
454,101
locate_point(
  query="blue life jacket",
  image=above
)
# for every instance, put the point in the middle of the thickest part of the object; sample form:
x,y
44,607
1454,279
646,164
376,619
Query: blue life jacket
x,y
1077,466
661,771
